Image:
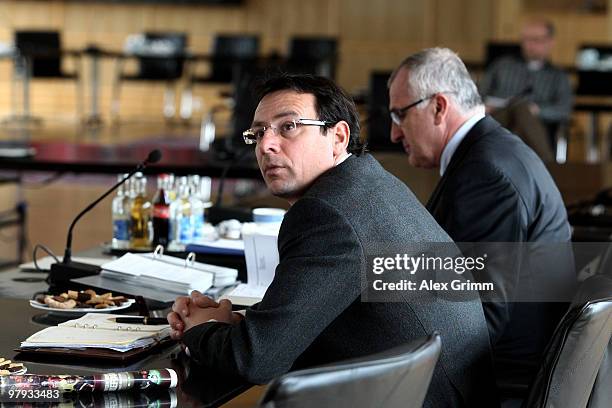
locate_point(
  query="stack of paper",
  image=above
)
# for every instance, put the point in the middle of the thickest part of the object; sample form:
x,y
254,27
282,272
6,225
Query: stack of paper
x,y
170,273
261,253
97,330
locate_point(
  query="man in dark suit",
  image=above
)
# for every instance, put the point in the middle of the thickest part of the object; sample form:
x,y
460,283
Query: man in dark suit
x,y
493,188
343,203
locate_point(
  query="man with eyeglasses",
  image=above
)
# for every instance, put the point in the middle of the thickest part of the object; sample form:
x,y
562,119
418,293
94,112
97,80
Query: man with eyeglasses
x,y
305,133
493,188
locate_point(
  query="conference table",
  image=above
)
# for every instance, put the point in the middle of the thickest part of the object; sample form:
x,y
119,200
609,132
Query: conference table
x,y
197,386
179,157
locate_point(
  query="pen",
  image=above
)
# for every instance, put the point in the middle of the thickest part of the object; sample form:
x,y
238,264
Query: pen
x,y
141,320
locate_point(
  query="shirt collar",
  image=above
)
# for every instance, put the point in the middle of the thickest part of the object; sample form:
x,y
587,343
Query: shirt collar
x,y
343,158
456,139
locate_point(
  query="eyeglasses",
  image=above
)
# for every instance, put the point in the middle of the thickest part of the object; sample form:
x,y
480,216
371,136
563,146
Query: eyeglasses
x,y
287,129
398,115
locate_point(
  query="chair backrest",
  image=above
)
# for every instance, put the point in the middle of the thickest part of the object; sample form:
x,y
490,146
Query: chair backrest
x,y
43,49
246,79
395,378
313,55
379,122
497,49
576,369
230,53
166,67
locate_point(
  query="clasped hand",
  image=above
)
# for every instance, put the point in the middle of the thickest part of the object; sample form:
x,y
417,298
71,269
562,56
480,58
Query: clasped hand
x,y
190,311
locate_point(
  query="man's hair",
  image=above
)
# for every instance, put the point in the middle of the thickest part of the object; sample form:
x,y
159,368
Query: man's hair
x,y
440,70
547,24
332,103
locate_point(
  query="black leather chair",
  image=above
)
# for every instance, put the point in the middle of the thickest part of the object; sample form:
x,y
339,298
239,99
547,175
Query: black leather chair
x,y
244,102
392,379
40,56
577,366
379,122
313,55
230,55
498,49
167,67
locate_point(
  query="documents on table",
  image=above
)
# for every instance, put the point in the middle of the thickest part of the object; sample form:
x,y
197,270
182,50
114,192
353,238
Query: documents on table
x,y
170,273
261,253
95,330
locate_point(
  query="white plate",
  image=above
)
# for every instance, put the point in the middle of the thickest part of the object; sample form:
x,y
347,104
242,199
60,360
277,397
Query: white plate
x,y
37,305
20,372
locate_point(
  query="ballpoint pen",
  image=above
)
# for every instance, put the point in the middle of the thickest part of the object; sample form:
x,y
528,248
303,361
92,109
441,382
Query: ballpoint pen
x,y
142,320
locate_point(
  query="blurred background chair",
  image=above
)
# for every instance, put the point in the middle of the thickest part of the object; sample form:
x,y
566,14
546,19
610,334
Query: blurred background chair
x,y
229,54
40,55
379,122
594,83
395,378
14,218
313,55
577,366
497,49
243,104
161,58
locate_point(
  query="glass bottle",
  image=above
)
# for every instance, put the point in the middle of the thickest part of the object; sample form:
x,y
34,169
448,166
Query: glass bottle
x,y
197,207
140,214
161,212
180,211
120,216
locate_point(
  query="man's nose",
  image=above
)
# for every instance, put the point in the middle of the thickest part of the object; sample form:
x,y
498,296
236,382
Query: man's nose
x,y
396,133
270,142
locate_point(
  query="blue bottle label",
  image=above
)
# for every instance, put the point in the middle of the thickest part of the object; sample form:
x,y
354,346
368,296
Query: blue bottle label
x,y
121,230
185,226
198,225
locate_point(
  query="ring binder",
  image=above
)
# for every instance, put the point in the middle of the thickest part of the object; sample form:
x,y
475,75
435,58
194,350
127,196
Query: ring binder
x,y
190,260
155,270
78,325
159,252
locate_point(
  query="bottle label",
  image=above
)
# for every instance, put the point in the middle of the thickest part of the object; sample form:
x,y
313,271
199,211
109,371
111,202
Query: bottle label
x,y
198,225
121,230
185,232
161,211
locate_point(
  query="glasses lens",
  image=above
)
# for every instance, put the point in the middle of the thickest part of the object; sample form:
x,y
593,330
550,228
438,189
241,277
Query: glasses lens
x,y
249,137
288,128
395,118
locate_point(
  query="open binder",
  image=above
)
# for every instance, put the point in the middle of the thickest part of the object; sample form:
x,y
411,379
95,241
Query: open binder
x,y
98,336
173,274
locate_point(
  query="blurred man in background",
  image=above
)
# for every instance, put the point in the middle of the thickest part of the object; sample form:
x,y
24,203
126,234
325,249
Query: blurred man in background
x,y
526,93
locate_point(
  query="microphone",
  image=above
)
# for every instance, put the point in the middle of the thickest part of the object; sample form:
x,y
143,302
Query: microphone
x,y
67,269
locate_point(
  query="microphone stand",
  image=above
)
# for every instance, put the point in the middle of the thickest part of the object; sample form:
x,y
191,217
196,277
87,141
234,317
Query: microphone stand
x,y
68,269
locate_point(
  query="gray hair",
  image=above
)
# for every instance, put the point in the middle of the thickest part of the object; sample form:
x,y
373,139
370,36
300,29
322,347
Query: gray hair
x,y
440,70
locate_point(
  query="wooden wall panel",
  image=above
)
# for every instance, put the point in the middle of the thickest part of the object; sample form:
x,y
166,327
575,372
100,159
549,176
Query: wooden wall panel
x,y
464,26
373,34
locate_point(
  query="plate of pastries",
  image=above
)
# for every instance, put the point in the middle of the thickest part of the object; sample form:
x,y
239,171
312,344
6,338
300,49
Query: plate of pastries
x,y
84,301
8,367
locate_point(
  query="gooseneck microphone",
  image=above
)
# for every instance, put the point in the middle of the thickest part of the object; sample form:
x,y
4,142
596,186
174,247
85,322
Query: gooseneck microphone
x,y
66,270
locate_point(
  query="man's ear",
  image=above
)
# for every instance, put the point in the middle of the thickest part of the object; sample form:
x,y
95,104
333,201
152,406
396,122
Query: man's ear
x,y
440,107
342,134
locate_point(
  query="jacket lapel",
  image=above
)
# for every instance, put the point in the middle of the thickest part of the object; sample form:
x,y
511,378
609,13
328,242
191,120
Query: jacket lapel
x,y
479,130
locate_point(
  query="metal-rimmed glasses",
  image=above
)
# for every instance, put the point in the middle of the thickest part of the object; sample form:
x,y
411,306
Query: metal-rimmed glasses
x,y
398,115
287,129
